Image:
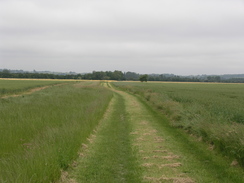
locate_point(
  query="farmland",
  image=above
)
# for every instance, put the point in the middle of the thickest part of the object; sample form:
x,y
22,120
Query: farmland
x,y
17,86
89,131
42,132
212,112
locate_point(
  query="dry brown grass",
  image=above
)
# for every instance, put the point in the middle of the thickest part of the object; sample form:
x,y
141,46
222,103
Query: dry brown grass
x,y
234,163
148,164
159,151
85,146
144,123
170,157
167,179
171,165
140,139
158,139
144,134
66,179
134,133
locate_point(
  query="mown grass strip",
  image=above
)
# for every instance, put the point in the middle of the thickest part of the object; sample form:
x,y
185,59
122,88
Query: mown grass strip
x,y
110,157
195,160
200,163
212,112
158,162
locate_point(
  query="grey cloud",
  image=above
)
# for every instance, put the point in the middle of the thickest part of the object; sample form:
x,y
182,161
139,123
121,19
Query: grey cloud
x,y
163,36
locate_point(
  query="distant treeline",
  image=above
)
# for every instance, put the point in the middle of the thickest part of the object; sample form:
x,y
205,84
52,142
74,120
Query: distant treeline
x,y
120,76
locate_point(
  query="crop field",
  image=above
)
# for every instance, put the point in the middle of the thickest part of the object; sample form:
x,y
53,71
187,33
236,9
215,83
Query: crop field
x,y
93,131
16,86
212,112
41,133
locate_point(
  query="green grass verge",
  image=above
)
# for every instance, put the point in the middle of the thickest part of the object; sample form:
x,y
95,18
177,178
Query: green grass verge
x,y
40,134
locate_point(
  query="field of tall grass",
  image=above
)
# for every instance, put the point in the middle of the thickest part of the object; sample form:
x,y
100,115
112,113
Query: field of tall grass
x,y
17,86
212,112
41,133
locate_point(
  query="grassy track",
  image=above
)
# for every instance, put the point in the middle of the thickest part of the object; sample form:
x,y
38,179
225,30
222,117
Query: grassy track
x,y
136,144
132,141
109,158
212,112
167,155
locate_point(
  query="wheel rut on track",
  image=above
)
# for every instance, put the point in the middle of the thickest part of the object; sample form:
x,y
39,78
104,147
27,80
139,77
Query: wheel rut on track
x,y
158,163
146,159
147,150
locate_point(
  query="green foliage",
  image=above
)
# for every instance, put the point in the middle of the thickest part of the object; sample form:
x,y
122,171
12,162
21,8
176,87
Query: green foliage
x,y
35,75
108,75
213,112
119,75
143,78
132,76
40,134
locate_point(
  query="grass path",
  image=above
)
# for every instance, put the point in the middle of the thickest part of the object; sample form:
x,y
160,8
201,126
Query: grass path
x,y
135,144
108,157
157,161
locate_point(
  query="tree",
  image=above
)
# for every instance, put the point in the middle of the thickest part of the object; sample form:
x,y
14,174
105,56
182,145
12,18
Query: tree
x,y
213,79
117,75
6,73
131,76
143,78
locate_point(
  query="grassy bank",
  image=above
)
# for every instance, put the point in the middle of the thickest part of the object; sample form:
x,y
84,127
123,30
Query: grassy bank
x,y
213,112
40,134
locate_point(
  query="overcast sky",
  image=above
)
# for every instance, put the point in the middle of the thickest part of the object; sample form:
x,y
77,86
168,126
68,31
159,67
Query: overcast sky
x,y
146,36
